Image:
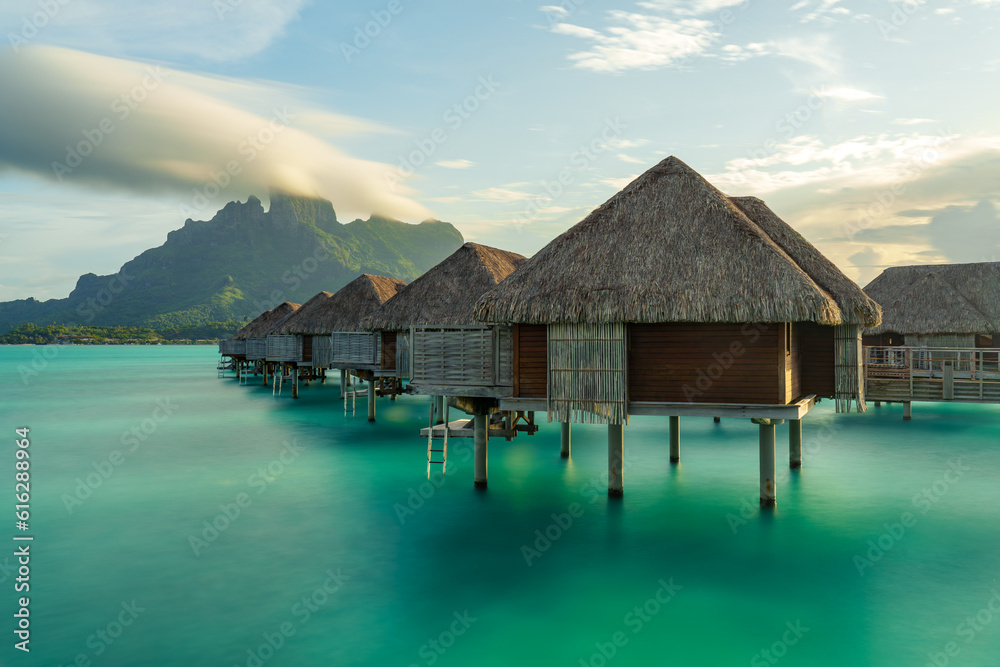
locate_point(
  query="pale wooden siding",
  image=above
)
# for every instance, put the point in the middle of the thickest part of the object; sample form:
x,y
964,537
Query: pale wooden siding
x,y
505,355
587,373
322,351
462,356
232,347
256,348
941,340
284,348
403,356
356,347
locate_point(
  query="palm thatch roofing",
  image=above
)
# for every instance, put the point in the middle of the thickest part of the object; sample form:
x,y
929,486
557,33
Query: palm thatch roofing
x,y
325,313
262,325
672,248
446,295
938,299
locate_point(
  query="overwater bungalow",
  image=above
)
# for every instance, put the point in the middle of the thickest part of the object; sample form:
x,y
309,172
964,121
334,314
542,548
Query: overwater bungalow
x,y
938,337
331,324
323,333
438,343
673,299
249,344
292,350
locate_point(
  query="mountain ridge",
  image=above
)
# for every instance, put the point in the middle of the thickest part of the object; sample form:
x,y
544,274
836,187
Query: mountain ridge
x,y
241,262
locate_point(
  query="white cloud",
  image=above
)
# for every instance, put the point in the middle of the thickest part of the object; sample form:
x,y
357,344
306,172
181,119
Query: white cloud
x,y
628,158
912,121
618,183
862,162
502,195
148,130
826,10
163,29
691,7
848,94
555,10
640,41
455,164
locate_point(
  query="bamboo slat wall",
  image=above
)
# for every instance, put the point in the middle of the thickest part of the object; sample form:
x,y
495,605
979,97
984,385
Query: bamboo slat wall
x,y
849,368
256,348
587,373
322,351
232,347
462,356
356,347
284,348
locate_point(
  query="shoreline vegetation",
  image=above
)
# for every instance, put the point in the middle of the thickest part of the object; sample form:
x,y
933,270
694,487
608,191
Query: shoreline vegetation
x,y
60,334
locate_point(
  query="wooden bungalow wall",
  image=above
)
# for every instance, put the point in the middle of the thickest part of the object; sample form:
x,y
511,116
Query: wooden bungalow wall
x,y
707,363
665,359
389,350
816,358
472,356
530,363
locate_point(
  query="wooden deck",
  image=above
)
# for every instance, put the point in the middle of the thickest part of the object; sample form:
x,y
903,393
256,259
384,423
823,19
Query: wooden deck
x,y
965,375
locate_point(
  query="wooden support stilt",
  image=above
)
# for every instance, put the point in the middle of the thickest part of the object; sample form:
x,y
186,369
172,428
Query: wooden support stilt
x,y
718,420
564,440
265,373
295,382
795,443
878,404
343,383
439,409
675,439
481,440
768,492
371,399
907,411
615,455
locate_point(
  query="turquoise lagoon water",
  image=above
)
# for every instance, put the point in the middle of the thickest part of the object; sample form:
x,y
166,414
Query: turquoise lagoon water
x,y
337,557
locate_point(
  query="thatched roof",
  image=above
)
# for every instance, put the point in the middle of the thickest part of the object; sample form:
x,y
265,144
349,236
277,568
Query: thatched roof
x,y
672,248
343,311
447,294
938,299
856,306
262,325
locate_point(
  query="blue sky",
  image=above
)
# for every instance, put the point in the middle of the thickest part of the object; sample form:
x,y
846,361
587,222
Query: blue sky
x,y
871,127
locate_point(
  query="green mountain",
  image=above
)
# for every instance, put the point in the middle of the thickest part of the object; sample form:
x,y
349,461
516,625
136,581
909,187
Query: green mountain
x,y
240,263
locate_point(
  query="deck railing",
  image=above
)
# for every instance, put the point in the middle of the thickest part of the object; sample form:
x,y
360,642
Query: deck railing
x,y
926,373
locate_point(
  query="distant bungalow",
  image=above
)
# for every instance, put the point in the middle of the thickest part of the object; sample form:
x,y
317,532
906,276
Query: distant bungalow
x,y
249,344
937,305
672,299
450,353
938,336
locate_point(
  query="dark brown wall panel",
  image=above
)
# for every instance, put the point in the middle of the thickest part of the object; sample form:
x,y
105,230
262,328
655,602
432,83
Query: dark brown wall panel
x,y
388,350
706,363
816,348
531,360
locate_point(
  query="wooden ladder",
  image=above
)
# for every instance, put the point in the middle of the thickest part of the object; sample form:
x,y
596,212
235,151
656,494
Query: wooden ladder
x,y
431,438
353,393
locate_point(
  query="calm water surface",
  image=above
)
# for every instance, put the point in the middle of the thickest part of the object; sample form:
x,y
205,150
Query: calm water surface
x,y
881,550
